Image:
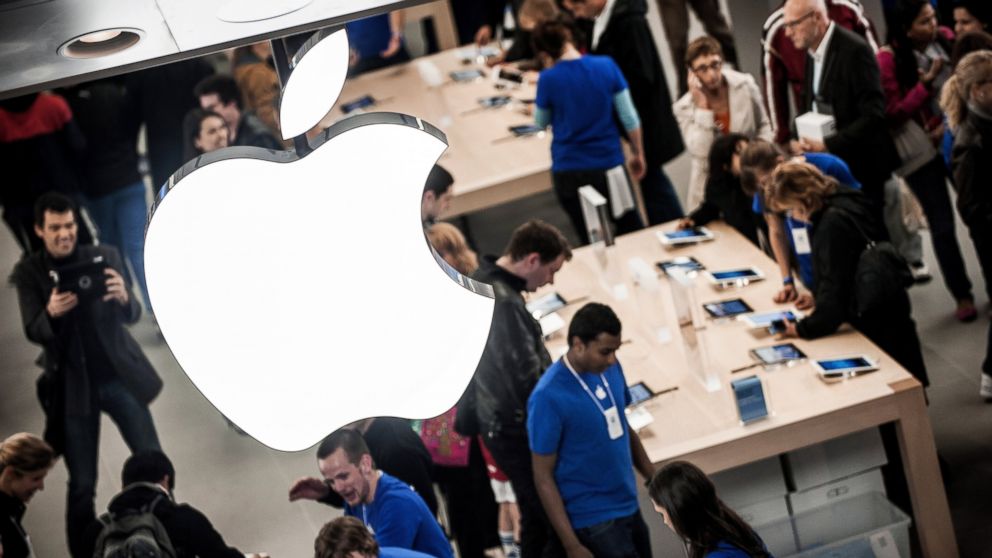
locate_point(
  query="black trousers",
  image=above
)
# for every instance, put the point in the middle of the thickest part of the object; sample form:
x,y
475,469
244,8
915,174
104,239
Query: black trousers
x,y
512,455
472,509
567,184
981,235
894,331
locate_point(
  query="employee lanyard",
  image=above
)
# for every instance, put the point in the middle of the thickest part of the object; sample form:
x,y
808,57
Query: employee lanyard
x,y
589,391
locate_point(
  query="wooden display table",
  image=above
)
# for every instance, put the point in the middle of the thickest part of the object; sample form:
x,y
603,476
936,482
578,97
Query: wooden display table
x,y
693,424
489,167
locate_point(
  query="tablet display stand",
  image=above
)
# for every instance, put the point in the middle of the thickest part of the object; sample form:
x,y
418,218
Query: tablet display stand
x,y
692,324
595,213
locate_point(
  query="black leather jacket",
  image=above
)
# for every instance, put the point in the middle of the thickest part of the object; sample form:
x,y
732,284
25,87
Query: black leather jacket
x,y
973,170
514,358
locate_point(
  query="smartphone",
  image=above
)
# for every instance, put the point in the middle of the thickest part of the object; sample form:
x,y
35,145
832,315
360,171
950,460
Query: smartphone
x,y
461,76
545,305
360,103
495,101
687,263
777,354
732,276
842,367
750,398
727,308
685,236
506,74
525,130
639,393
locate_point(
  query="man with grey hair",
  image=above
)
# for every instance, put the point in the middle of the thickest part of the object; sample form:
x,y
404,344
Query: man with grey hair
x,y
842,79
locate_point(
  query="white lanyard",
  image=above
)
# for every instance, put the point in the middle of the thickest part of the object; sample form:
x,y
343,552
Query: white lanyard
x,y
589,391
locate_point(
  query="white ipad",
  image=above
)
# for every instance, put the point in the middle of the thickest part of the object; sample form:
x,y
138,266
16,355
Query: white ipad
x,y
842,367
760,320
742,275
685,236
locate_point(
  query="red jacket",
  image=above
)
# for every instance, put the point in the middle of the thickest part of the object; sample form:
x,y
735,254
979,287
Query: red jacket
x,y
915,103
782,65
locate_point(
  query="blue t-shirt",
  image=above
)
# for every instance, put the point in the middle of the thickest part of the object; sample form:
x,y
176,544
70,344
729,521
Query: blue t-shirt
x,y
398,517
832,166
369,36
594,474
727,550
393,552
579,95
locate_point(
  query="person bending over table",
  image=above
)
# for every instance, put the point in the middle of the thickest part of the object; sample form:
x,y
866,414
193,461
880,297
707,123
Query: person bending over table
x,y
577,95
842,224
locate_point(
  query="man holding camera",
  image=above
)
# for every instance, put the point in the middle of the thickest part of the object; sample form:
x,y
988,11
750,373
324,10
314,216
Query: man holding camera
x,y
91,362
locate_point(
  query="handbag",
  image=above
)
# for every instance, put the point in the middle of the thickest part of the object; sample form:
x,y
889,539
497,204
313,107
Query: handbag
x,y
881,276
914,147
447,447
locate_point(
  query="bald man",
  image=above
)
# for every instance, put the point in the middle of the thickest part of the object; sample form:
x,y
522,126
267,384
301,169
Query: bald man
x,y
842,79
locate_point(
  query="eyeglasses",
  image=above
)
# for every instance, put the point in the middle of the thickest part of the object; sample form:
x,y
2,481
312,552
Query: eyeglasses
x,y
793,24
714,66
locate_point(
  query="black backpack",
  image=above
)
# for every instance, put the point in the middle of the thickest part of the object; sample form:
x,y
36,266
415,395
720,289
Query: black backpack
x,y
881,276
134,533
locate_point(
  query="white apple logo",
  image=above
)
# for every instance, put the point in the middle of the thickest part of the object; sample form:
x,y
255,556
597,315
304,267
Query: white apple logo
x,y
297,292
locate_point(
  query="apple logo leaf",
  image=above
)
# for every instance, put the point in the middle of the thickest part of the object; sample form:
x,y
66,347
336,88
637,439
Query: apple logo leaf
x,y
297,291
319,70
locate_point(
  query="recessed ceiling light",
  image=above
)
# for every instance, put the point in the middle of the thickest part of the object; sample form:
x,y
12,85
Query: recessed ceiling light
x,y
100,43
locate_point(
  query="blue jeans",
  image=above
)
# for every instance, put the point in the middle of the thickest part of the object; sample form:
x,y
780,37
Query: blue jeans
x,y
623,537
120,217
82,443
660,200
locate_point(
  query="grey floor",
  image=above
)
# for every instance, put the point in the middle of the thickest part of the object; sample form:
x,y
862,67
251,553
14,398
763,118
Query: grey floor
x,y
242,486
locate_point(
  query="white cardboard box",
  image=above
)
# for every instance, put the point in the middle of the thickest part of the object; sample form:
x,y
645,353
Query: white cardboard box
x,y
752,483
835,459
764,512
862,483
815,126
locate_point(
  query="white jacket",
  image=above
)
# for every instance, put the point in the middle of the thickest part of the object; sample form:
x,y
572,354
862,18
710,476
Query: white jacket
x,y
747,116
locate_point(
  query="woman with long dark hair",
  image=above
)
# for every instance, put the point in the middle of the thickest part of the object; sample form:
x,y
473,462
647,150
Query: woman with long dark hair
x,y
914,66
687,501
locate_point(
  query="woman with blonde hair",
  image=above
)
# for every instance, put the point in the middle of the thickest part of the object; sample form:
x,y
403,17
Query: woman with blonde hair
x,y
843,226
451,246
25,460
967,101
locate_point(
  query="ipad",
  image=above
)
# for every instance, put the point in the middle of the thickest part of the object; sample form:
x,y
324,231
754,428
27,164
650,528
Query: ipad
x,y
835,368
359,103
462,76
735,276
86,279
777,354
526,130
764,319
727,308
506,74
545,305
495,101
685,236
639,393
686,263
750,398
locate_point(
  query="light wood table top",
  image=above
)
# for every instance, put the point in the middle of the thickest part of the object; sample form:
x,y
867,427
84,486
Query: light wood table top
x,y
703,427
489,167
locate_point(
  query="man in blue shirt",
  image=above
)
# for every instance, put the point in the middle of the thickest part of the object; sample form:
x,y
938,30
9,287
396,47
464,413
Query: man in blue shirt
x,y
390,509
582,447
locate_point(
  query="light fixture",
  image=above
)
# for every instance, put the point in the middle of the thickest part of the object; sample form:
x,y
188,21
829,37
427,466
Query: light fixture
x,y
100,43
298,292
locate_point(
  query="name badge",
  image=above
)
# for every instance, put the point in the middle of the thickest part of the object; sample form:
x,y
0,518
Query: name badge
x,y
613,425
800,239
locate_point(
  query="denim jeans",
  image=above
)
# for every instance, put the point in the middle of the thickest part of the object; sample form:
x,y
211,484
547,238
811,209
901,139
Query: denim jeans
x,y
120,217
82,443
660,200
624,537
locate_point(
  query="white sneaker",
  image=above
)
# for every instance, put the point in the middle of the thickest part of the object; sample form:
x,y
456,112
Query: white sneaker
x,y
986,389
921,273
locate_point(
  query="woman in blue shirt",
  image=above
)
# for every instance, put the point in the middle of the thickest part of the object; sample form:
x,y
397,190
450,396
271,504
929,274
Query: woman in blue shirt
x,y
687,501
577,95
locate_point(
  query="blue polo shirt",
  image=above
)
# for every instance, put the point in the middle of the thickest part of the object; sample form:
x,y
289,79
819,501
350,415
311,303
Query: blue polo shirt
x,y
579,96
832,166
369,36
594,474
398,517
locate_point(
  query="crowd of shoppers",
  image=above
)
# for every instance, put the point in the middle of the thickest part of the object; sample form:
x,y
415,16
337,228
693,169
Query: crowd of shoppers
x,y
533,426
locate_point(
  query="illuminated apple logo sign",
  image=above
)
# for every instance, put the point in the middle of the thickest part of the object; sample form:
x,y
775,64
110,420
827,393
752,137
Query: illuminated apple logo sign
x,y
296,288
